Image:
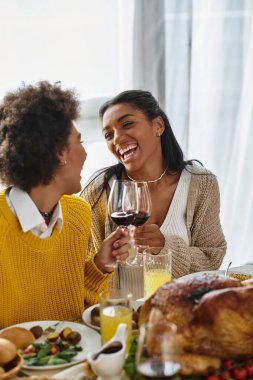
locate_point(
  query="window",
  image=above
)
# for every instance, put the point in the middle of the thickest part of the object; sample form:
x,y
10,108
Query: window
x,y
81,43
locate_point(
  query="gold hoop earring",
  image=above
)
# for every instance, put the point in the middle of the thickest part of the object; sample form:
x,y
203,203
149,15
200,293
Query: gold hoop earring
x,y
64,162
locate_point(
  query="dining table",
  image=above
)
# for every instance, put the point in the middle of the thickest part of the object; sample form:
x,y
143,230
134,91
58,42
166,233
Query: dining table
x,y
245,270
77,373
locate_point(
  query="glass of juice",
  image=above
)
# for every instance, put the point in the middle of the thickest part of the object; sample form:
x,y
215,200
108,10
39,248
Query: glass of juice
x,y
115,308
156,269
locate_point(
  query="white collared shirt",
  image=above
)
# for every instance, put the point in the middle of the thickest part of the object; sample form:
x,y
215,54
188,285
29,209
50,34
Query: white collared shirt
x,y
29,216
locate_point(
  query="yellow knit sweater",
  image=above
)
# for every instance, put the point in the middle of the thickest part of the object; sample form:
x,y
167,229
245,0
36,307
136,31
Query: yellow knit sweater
x,y
47,278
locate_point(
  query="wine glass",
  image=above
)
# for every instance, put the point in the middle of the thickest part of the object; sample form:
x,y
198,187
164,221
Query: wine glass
x,y
142,214
123,204
158,350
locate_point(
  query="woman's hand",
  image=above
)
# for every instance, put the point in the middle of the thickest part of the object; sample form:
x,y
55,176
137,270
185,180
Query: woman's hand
x,y
149,234
115,248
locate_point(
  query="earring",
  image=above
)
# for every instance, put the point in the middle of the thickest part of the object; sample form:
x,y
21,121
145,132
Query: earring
x,y
64,162
158,134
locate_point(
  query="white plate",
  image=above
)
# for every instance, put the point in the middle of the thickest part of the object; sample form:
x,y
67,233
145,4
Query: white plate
x,y
191,275
91,341
86,316
87,313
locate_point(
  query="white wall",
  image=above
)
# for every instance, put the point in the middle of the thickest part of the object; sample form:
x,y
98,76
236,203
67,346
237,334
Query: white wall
x,y
77,42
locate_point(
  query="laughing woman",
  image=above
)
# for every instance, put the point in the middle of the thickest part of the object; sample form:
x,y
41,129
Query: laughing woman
x,y
185,196
44,230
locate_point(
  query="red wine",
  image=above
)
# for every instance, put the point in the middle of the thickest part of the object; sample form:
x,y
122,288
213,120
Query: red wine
x,y
140,218
123,218
158,370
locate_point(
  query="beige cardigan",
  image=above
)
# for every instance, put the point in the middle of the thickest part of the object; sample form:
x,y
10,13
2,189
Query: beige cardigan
x,y
207,243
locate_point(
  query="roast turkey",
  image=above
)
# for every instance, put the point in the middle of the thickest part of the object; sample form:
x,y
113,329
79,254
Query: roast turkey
x,y
214,318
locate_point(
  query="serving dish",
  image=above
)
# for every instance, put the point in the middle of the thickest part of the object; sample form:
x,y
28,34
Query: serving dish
x,y
244,272
12,368
203,273
90,341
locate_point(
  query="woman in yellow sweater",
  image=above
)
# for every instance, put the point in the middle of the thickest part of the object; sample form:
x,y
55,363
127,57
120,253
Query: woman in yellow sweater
x,y
44,230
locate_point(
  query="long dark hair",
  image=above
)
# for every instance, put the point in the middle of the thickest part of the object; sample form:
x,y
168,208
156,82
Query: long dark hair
x,y
146,103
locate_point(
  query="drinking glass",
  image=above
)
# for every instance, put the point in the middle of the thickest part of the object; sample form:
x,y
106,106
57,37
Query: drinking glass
x,y
122,202
158,350
115,308
136,258
142,214
122,205
156,269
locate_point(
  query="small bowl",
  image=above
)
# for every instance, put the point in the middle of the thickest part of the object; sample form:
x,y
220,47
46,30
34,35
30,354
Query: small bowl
x,y
12,368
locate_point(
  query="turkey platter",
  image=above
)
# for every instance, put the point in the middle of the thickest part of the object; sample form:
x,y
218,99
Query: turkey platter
x,y
214,317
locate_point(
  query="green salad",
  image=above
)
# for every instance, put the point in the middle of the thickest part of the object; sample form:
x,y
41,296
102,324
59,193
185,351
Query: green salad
x,y
49,353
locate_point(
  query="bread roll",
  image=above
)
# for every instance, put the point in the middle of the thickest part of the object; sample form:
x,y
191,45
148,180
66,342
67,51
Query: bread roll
x,y
8,351
20,336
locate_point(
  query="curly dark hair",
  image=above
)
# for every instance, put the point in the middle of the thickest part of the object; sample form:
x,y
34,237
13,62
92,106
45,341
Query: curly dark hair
x,y
35,123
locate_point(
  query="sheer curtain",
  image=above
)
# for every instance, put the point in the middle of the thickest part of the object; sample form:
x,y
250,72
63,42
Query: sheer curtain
x,y
148,47
221,112
238,212
208,60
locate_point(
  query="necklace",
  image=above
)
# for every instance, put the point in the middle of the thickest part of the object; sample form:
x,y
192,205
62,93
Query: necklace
x,y
47,215
153,181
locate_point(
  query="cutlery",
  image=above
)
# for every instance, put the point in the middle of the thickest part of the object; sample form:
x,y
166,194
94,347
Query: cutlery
x,y
227,269
52,328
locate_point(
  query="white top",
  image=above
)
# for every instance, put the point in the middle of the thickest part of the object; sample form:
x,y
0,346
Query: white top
x,y
175,221
29,216
131,278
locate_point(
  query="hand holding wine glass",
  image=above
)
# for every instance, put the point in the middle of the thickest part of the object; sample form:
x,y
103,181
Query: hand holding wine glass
x,y
114,248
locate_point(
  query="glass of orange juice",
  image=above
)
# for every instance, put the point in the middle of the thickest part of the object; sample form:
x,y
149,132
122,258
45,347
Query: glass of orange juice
x,y
156,269
115,308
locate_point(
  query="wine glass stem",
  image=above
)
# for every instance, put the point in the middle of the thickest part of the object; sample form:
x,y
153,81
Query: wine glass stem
x,y
131,234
